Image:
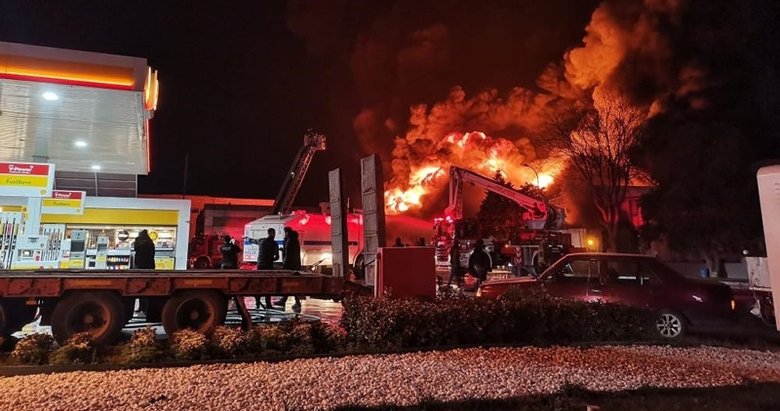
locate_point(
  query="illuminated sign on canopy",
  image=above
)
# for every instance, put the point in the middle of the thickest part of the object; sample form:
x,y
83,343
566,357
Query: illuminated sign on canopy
x,y
64,202
26,179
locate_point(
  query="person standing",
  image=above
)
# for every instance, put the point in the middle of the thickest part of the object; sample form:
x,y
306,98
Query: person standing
x,y
455,270
229,251
144,251
269,252
291,260
479,262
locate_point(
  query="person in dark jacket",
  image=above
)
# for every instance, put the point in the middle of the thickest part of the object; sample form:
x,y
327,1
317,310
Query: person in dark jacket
x,y
479,262
144,251
229,251
455,270
269,252
291,260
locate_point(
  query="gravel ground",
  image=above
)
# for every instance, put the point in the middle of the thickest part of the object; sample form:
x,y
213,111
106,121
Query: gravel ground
x,y
402,379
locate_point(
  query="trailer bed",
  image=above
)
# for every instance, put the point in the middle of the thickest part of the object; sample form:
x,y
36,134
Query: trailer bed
x,y
150,283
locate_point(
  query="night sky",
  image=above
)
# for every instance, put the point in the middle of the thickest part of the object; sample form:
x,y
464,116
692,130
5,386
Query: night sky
x,y
242,81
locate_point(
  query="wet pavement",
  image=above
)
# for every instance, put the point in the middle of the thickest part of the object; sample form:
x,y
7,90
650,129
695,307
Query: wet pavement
x,y
311,310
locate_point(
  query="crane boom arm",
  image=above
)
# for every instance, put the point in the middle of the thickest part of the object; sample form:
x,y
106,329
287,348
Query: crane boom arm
x,y
540,214
312,142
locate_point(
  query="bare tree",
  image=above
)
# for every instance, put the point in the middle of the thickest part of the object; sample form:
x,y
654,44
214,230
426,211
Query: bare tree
x,y
596,140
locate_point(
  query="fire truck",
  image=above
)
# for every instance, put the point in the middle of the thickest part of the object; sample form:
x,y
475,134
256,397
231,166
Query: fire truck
x,y
204,251
540,242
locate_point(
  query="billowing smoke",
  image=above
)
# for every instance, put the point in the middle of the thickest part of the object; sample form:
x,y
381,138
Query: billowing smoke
x,y
442,85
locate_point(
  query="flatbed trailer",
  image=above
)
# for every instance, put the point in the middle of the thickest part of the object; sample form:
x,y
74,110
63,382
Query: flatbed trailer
x,y
101,302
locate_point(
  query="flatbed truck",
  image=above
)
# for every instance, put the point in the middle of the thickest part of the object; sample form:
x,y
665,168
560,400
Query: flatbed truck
x,y
102,302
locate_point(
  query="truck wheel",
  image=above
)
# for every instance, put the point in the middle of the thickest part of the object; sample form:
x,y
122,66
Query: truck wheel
x,y
199,310
14,314
99,313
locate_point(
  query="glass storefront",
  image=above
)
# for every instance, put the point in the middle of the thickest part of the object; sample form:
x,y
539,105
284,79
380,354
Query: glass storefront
x,y
117,240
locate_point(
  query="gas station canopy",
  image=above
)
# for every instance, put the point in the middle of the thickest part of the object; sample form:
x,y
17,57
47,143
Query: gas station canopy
x,y
85,112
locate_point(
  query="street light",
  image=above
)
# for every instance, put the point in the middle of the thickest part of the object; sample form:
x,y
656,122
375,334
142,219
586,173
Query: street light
x,y
538,184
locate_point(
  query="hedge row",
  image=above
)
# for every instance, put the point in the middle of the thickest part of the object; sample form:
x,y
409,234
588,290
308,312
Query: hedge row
x,y
518,318
262,341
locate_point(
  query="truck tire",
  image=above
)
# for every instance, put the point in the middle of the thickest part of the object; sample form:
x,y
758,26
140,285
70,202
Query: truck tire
x,y
14,314
199,310
100,313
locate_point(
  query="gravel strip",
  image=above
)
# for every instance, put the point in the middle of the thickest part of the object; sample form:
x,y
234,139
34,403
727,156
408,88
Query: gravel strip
x,y
401,379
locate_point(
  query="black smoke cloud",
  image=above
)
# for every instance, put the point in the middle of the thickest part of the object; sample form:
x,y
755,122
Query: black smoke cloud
x,y
418,70
401,54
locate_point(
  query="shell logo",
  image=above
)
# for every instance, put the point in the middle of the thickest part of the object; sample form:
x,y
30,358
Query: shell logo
x,y
153,235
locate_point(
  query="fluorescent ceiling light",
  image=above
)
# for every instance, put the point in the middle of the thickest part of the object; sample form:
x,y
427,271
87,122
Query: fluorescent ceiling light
x,y
80,143
95,167
50,96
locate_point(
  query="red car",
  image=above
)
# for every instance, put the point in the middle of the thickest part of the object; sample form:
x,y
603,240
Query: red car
x,y
682,303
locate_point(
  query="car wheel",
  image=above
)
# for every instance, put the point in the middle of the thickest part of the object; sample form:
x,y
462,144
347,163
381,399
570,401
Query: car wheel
x,y
670,325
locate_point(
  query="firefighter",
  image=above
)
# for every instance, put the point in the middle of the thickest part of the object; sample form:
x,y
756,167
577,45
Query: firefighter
x,y
229,251
455,270
479,262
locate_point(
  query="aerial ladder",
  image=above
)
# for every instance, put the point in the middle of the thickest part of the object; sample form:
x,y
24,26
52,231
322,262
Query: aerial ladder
x,y
539,217
312,143
539,214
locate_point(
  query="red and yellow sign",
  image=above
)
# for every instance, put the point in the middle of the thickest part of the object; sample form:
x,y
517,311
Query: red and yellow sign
x,y
66,72
26,179
64,202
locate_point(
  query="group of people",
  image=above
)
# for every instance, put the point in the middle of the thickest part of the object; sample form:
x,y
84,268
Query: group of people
x,y
269,253
479,263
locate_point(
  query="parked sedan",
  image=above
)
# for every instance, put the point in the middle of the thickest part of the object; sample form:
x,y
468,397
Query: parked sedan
x,y
632,279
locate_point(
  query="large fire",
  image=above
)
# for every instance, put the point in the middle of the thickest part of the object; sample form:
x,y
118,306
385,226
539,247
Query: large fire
x,y
474,151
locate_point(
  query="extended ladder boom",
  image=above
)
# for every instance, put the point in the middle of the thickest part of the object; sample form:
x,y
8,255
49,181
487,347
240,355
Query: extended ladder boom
x,y
312,142
539,213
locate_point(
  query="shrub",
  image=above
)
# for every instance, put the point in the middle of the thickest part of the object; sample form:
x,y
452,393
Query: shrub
x,y
328,338
274,339
143,347
33,349
78,349
300,341
228,342
188,344
519,317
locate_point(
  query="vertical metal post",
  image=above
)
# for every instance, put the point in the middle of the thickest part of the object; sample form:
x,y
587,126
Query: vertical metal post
x,y
372,189
186,175
338,224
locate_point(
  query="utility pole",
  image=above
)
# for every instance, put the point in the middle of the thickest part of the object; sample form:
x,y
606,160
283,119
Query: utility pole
x,y
186,171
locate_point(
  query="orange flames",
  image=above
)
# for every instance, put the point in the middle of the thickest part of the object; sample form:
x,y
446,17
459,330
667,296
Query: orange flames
x,y
474,151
